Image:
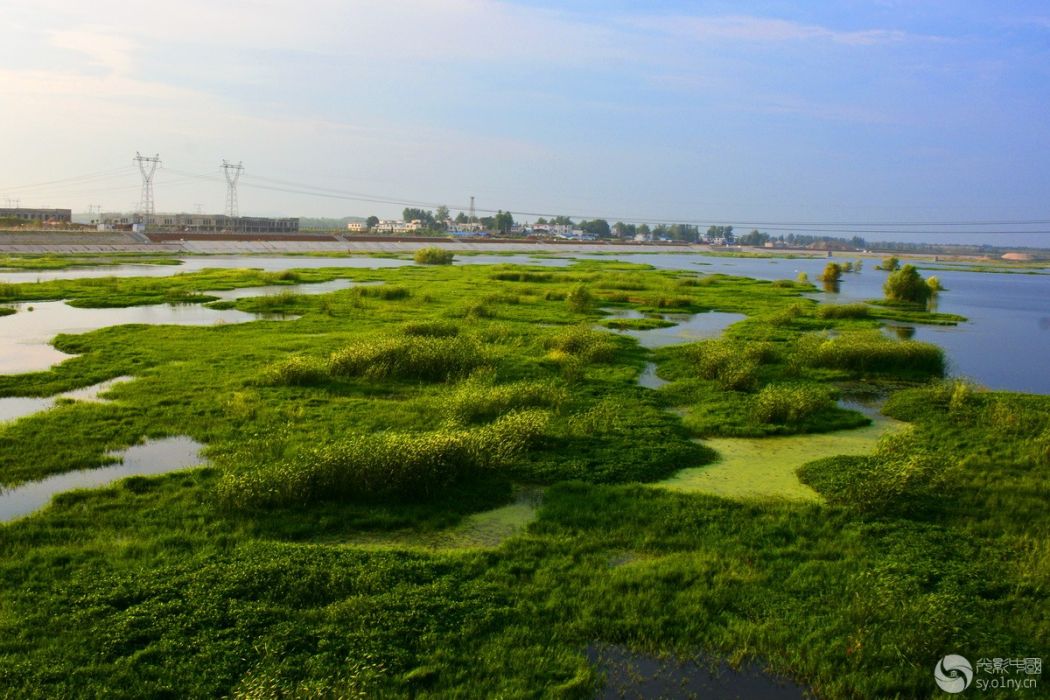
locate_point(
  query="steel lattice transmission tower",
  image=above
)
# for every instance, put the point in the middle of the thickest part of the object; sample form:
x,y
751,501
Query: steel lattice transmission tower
x,y
233,174
148,167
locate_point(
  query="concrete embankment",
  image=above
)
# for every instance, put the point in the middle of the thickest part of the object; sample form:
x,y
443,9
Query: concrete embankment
x,y
67,242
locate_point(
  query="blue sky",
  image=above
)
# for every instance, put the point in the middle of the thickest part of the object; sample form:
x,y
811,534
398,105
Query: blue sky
x,y
701,111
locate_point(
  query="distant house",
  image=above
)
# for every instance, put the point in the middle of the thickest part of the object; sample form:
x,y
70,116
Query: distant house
x,y
357,227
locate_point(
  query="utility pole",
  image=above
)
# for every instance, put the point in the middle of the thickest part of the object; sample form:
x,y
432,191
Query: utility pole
x,y
472,209
148,168
233,174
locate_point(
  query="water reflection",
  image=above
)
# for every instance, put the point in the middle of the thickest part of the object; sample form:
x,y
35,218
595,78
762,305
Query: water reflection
x,y
25,336
13,407
150,458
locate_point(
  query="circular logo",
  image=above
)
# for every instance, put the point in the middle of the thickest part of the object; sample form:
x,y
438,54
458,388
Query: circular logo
x,y
953,673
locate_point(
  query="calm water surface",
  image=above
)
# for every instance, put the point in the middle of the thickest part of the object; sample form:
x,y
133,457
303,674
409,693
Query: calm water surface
x,y
148,459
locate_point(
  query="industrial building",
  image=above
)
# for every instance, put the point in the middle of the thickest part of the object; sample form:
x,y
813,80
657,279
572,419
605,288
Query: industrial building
x,y
203,223
58,216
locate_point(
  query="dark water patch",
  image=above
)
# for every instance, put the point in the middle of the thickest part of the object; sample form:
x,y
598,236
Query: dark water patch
x,y
630,674
150,458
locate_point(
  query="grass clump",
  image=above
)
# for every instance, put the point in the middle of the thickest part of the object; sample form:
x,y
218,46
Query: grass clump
x,y
790,403
296,370
431,329
432,255
843,311
637,324
384,465
733,365
6,311
428,358
870,352
479,397
901,470
582,343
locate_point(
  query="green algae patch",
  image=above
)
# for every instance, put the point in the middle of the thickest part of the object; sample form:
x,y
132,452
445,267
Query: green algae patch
x,y
761,468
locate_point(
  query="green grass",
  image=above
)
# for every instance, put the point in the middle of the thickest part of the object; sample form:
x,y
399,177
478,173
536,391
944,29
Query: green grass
x,y
358,450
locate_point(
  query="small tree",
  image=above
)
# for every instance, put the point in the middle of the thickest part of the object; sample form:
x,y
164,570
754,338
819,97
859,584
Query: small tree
x,y
372,222
890,264
832,272
906,284
579,299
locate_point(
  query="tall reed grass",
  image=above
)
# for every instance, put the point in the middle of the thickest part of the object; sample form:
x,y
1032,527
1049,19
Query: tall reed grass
x,y
384,465
423,357
871,352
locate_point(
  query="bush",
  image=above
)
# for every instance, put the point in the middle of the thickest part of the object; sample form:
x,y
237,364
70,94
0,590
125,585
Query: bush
x,y
432,255
434,359
890,264
866,352
789,403
579,299
371,466
907,285
832,272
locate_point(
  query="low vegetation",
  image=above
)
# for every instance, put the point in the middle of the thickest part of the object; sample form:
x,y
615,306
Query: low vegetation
x,y
414,406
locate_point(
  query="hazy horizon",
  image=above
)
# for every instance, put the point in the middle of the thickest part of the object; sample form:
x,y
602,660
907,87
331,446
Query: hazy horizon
x,y
780,112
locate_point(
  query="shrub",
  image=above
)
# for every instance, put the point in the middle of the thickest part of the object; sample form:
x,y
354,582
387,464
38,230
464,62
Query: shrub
x,y
579,299
370,466
934,283
429,358
906,284
802,278
832,272
432,255
890,264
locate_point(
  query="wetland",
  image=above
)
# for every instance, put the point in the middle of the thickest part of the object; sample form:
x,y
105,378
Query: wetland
x,y
517,477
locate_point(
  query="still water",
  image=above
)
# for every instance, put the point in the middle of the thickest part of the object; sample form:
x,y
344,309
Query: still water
x,y
148,459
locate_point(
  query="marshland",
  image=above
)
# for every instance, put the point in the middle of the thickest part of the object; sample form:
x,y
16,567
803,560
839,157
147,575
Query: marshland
x,y
438,479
